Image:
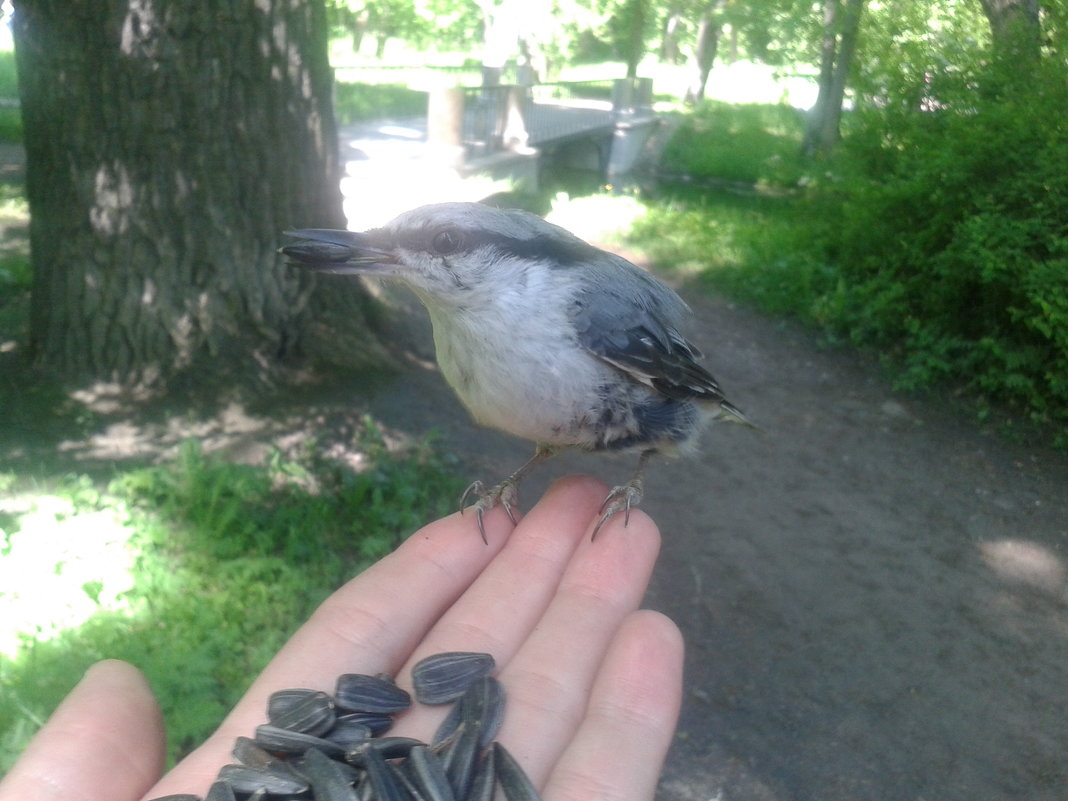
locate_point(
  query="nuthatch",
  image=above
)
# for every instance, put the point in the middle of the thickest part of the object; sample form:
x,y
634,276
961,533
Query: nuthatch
x,y
541,334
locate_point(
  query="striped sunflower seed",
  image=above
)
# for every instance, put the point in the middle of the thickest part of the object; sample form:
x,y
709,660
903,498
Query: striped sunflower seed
x,y
359,693
306,711
328,750
442,678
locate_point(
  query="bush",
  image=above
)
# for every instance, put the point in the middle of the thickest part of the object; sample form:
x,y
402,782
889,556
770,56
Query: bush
x,y
951,235
937,237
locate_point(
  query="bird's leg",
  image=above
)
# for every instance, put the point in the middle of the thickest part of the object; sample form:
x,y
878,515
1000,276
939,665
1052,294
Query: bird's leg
x,y
507,492
625,496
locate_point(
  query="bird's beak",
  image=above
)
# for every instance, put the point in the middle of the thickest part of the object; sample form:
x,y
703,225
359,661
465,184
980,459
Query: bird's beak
x,y
325,250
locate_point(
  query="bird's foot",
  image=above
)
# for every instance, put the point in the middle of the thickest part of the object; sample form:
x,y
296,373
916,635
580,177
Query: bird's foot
x,y
506,494
620,499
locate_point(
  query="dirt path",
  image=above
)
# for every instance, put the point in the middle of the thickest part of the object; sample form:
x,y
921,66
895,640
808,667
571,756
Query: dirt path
x,y
873,594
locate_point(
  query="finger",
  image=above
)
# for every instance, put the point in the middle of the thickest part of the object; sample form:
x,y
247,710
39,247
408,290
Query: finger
x,y
619,749
500,609
370,625
103,743
549,679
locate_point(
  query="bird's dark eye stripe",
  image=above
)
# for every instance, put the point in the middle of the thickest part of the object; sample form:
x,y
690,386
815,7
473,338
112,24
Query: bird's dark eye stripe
x,y
560,251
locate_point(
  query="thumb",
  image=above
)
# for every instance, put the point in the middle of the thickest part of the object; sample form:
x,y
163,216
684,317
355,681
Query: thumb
x,y
104,742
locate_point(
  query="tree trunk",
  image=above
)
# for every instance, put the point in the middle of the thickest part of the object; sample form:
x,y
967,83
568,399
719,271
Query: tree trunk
x,y
168,145
709,29
732,52
1015,32
669,40
635,12
358,24
841,27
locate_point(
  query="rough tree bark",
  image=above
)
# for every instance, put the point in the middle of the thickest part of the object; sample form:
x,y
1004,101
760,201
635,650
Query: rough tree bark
x,y
841,26
168,145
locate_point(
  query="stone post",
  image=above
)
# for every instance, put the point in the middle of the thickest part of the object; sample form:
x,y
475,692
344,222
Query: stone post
x,y
445,124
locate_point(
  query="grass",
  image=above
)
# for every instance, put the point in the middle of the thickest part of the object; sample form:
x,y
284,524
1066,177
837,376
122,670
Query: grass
x,y
356,102
755,247
196,571
754,143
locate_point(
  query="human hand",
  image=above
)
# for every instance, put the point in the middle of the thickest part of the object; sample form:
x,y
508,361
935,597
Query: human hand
x,y
593,685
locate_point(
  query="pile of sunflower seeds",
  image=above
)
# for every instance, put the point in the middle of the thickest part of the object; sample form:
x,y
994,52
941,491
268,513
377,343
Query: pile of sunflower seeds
x,y
336,748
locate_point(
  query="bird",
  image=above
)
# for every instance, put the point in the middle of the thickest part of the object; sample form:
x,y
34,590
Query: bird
x,y
541,335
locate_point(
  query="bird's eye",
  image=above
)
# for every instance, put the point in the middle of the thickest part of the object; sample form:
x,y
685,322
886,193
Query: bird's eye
x,y
447,241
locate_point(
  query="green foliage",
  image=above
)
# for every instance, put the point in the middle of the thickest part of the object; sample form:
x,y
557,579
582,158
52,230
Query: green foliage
x,y
354,102
949,230
753,143
15,272
907,51
10,125
938,237
229,560
9,82
10,116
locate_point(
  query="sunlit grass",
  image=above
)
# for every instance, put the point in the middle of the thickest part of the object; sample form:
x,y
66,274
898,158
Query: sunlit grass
x,y
749,143
757,249
65,557
196,570
354,102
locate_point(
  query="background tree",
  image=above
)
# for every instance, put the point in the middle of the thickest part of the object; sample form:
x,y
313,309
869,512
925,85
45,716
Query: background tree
x,y
669,38
352,16
627,26
841,26
949,202
168,145
636,17
709,29
416,22
1014,26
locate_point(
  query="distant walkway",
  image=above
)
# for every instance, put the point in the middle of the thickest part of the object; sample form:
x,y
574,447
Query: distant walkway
x,y
509,131
387,169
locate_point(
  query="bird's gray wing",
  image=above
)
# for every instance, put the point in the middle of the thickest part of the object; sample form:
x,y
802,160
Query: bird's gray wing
x,y
630,320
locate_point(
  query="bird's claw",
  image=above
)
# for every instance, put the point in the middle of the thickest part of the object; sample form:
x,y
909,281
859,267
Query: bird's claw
x,y
506,494
474,488
620,499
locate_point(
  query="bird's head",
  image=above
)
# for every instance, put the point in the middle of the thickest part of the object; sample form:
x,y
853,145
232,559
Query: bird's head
x,y
449,253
